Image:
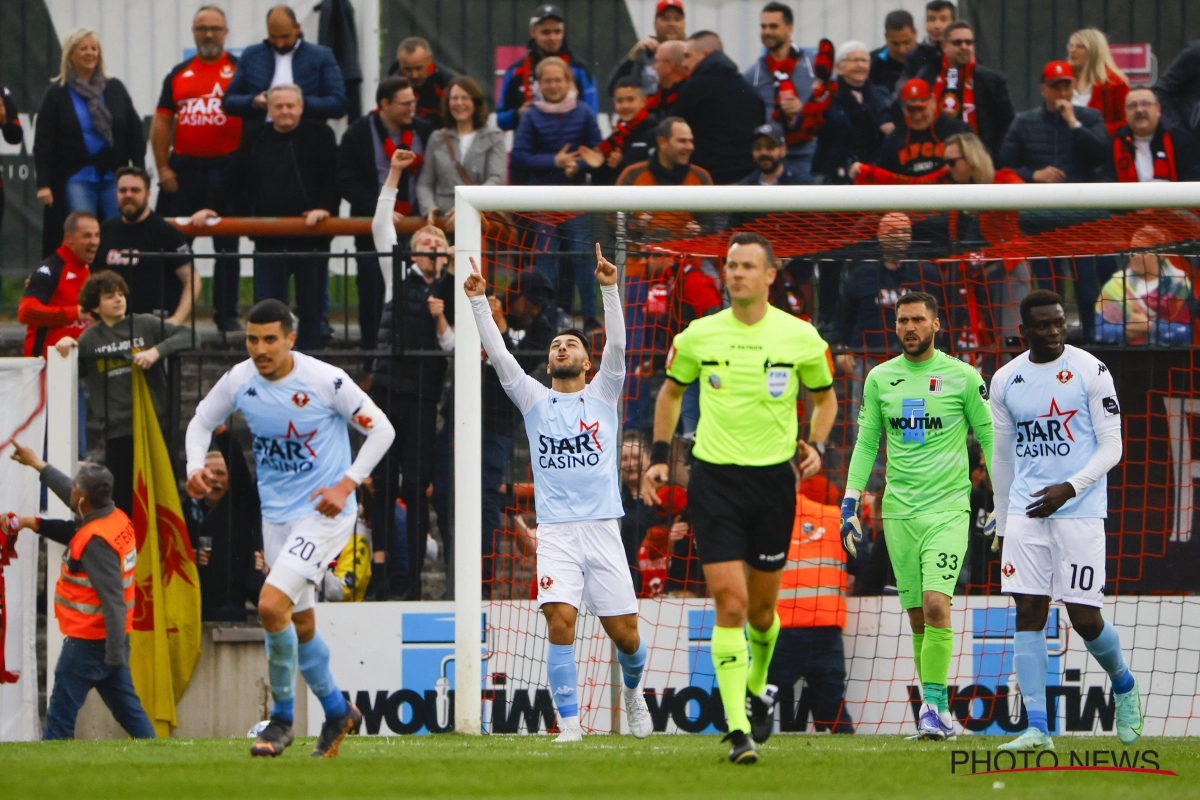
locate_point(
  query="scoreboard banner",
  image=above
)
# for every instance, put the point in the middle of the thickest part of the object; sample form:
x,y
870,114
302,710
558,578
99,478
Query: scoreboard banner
x,y
396,662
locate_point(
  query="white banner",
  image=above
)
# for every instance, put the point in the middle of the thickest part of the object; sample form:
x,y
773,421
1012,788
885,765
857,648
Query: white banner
x,y
21,395
396,662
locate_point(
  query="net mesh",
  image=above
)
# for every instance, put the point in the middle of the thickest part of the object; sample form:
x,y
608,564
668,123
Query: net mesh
x,y
844,272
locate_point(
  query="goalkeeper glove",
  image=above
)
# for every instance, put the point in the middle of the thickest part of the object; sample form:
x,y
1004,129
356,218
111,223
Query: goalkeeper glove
x,y
851,527
989,529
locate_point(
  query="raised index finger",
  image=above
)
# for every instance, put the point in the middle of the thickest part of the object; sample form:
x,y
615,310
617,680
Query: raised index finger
x,y
474,266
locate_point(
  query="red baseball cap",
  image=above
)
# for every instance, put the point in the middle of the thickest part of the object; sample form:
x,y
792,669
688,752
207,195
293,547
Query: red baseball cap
x,y
915,91
673,499
1057,71
663,5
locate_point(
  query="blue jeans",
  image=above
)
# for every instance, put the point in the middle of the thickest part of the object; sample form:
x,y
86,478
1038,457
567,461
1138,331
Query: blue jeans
x,y
80,667
568,273
98,197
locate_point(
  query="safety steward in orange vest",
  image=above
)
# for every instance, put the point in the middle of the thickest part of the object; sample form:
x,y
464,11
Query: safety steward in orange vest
x,y
812,613
93,599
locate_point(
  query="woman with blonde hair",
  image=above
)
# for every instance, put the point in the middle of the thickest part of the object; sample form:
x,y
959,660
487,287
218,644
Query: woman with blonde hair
x,y
87,127
1099,82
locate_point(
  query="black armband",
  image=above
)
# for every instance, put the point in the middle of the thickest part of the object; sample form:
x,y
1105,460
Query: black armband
x,y
660,453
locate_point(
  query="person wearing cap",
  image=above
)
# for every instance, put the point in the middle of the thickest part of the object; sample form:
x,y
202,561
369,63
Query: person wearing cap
x,y
518,89
639,64
969,91
1058,141
887,62
858,119
720,107
938,14
769,149
917,145
632,139
783,77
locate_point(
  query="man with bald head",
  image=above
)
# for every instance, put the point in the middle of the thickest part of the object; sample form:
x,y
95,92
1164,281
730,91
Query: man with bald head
x,y
668,27
668,66
284,57
721,108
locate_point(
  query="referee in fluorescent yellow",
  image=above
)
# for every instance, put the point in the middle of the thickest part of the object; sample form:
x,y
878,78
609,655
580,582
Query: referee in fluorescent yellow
x,y
750,360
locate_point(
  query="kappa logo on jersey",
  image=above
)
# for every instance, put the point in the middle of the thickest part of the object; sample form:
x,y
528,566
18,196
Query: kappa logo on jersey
x,y
1050,438
251,392
1103,369
1017,380
935,384
1064,376
300,399
573,451
914,421
288,453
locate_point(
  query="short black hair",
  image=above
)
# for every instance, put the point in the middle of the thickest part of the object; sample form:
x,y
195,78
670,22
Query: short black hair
x,y
942,5
920,297
136,172
99,284
898,20
747,237
629,82
780,8
583,338
264,312
388,87
666,127
1036,299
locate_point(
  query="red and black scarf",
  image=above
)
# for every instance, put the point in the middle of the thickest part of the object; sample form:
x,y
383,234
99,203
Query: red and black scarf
x,y
1162,151
664,99
781,72
429,96
955,92
621,132
403,202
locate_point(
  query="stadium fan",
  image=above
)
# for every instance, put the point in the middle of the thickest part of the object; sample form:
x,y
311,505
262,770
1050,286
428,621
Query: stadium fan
x,y
286,57
917,146
669,66
93,598
429,80
769,150
50,307
520,86
928,54
1057,437
639,516
572,429
1147,303
857,120
1179,90
306,483
1099,82
632,139
924,401
1145,149
887,62
193,141
743,486
639,64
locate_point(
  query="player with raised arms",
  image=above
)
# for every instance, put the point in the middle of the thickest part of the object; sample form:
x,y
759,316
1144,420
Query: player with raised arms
x,y
750,360
1057,416
575,445
298,409
924,400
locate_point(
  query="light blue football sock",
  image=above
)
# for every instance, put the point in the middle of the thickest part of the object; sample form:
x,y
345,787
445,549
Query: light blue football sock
x,y
560,669
281,670
633,664
1106,649
1032,662
314,666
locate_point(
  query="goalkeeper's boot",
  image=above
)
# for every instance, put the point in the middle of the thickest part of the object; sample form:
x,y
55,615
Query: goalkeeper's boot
x,y
1129,715
741,748
761,711
274,738
334,730
931,726
638,714
571,732
1031,739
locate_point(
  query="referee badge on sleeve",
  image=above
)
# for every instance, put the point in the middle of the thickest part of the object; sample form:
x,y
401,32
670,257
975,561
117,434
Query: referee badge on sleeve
x,y
777,381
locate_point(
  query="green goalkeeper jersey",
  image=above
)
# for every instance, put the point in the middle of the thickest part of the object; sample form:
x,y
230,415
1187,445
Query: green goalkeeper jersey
x,y
925,409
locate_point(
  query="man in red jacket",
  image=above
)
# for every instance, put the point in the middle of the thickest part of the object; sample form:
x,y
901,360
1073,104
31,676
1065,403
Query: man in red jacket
x,y
50,307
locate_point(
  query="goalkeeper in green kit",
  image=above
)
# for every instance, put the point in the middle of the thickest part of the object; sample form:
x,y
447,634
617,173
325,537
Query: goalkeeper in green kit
x,y
924,400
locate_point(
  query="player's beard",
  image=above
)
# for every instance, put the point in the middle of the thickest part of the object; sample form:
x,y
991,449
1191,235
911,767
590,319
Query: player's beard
x,y
565,371
920,348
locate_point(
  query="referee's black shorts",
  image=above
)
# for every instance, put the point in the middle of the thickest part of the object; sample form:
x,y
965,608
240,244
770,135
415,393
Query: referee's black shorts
x,y
742,513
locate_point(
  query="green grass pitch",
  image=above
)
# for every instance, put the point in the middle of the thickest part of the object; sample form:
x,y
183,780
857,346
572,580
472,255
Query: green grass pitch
x,y
794,766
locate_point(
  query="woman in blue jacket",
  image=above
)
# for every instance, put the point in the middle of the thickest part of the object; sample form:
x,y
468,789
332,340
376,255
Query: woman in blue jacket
x,y
546,153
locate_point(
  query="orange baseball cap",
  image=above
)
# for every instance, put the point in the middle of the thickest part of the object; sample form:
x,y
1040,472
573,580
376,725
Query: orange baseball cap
x,y
1057,71
663,5
915,91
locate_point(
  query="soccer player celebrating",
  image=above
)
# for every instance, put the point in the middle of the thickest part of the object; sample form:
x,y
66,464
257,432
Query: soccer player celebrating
x,y
750,360
574,441
298,409
1056,416
924,400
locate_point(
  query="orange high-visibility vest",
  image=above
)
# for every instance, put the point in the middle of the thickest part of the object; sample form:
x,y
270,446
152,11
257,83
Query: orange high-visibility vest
x,y
76,603
813,591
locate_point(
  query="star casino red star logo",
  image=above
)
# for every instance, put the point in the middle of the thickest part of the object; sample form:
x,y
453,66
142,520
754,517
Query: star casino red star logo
x,y
305,438
546,582
1009,570
1064,415
594,430
1064,376
300,399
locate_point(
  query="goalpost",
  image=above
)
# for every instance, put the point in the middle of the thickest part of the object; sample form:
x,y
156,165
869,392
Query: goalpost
x,y
839,204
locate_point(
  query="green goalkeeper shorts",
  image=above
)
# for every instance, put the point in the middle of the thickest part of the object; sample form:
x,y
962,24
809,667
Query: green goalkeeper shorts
x,y
927,553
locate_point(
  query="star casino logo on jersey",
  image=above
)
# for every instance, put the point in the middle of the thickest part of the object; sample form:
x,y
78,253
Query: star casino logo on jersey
x,y
914,421
1047,434
288,453
572,451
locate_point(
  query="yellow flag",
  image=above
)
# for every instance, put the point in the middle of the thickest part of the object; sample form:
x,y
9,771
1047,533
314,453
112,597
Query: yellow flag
x,y
165,642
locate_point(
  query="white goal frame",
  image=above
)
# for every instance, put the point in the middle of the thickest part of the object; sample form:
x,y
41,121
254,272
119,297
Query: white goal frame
x,y
470,201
